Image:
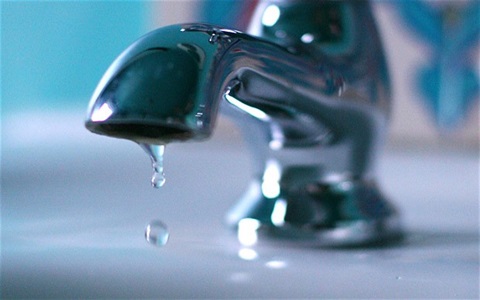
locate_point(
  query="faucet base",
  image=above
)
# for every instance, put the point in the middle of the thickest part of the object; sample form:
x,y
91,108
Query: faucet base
x,y
342,214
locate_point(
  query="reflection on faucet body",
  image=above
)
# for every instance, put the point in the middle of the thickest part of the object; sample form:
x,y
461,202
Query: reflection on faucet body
x,y
309,88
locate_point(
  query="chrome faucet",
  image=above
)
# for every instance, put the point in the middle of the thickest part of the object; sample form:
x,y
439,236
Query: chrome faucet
x,y
308,86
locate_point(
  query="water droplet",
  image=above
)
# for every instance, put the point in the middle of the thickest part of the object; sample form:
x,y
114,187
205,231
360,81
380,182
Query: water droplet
x,y
156,156
399,278
156,233
213,38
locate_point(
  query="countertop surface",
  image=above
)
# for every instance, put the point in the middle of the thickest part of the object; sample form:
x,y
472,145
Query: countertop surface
x,y
74,207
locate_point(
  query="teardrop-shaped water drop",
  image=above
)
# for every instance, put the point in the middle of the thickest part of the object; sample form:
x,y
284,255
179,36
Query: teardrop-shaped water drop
x,y
156,153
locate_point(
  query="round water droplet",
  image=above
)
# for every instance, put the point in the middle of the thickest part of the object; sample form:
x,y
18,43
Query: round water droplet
x,y
156,233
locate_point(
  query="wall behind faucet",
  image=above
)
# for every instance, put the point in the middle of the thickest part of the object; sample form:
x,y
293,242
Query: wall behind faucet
x,y
421,116
54,52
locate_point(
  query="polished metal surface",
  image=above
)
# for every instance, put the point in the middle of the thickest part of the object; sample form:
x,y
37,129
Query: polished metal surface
x,y
307,85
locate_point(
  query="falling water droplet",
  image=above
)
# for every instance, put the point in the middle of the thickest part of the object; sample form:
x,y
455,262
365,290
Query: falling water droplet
x,y
156,233
156,156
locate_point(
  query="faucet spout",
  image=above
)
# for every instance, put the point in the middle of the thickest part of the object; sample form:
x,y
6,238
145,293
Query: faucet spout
x,y
156,90
312,100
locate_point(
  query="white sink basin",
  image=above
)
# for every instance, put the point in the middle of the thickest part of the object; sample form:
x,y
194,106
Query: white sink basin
x,y
75,205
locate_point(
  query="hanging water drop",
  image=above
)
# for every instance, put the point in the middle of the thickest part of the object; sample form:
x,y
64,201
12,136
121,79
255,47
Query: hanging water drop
x,y
156,233
156,156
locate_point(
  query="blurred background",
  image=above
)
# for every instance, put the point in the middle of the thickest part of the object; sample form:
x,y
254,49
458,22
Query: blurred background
x,y
74,204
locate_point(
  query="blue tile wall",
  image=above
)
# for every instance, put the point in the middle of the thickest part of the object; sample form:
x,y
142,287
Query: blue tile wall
x,y
54,52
